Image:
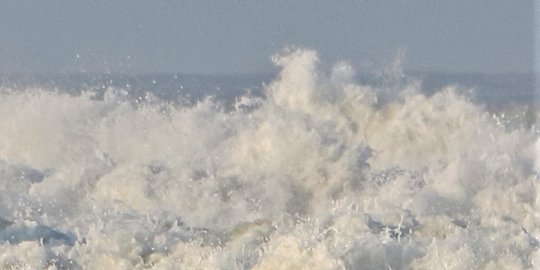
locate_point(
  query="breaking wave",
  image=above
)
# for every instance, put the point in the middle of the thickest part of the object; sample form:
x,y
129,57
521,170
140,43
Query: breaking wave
x,y
322,173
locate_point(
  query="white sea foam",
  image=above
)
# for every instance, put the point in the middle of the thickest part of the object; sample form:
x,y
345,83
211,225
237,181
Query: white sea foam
x,y
324,173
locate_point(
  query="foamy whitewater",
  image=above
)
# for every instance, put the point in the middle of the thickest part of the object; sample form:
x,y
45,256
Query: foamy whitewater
x,y
321,173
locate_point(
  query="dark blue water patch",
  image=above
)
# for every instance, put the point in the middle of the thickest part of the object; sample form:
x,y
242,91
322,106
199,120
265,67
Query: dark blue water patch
x,y
20,174
46,235
408,226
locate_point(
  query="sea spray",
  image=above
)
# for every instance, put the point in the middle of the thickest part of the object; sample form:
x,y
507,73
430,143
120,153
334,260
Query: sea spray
x,y
321,173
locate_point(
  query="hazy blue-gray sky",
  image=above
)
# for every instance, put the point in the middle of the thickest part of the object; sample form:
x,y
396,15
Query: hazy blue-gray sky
x,y
238,36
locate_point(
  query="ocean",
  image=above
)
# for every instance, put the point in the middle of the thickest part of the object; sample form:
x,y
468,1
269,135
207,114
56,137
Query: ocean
x,y
314,167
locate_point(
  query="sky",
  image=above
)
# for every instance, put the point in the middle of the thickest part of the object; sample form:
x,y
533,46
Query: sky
x,y
240,36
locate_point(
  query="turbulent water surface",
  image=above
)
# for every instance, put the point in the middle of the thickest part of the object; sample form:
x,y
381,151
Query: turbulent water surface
x,y
314,170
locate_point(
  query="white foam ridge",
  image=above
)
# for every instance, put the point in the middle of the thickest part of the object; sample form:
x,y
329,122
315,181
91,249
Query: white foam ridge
x,y
322,173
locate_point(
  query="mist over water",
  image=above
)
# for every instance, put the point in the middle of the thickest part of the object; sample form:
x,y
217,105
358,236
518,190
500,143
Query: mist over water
x,y
311,170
